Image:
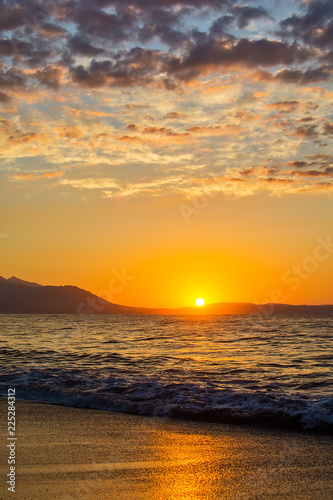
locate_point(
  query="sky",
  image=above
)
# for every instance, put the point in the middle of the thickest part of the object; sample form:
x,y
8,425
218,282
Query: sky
x,y
154,152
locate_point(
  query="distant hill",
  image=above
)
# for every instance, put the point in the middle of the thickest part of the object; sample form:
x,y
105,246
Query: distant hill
x,y
17,281
23,297
261,309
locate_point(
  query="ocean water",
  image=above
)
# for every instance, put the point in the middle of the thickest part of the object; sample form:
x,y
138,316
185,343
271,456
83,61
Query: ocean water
x,y
262,370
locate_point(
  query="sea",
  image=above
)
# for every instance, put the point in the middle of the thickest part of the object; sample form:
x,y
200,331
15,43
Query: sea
x,y
261,370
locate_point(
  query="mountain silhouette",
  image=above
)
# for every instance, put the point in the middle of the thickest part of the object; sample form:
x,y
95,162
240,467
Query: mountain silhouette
x,y
23,297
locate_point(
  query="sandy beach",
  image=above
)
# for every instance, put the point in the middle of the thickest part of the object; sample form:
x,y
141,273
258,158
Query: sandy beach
x,y
72,453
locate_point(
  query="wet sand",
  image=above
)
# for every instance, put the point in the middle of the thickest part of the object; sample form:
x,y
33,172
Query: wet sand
x,y
72,453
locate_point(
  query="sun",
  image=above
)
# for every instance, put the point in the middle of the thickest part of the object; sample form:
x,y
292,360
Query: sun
x,y
200,302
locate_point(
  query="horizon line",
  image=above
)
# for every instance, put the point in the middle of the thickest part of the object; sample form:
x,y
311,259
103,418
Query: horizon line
x,y
198,309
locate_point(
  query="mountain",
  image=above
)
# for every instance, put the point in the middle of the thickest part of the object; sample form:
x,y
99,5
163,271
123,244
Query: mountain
x,y
23,297
259,309
17,281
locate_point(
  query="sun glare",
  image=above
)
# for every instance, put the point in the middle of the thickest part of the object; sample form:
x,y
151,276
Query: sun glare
x,y
200,302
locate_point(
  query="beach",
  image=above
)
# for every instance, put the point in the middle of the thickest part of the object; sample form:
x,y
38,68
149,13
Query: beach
x,y
75,453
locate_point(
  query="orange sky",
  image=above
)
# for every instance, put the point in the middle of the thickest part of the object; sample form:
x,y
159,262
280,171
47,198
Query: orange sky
x,y
232,250
153,169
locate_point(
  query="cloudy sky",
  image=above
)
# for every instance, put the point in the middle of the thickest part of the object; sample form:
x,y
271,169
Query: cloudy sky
x,y
183,145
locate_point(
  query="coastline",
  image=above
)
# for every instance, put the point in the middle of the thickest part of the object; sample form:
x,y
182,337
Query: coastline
x,y
75,453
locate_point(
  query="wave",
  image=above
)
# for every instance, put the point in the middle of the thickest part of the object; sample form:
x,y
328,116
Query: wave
x,y
203,402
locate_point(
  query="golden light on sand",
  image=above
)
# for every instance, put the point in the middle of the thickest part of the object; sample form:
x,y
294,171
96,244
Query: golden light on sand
x,y
200,302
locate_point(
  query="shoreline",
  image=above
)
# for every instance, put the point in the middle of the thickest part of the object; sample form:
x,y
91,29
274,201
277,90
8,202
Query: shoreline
x,y
258,423
78,453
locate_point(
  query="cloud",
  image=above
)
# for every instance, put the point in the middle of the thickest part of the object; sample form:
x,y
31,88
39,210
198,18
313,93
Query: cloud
x,y
166,34
91,183
216,54
100,114
137,67
154,187
217,129
52,30
98,23
185,185
173,115
155,134
16,47
328,128
220,26
320,156
327,172
198,130
129,138
21,138
156,130
35,177
205,78
110,34
34,51
308,132
147,5
69,131
50,76
284,106
80,44
322,73
244,15
297,164
6,47
315,27
5,97
11,16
